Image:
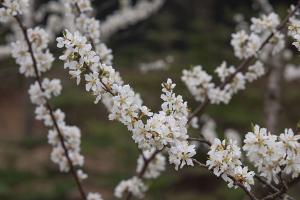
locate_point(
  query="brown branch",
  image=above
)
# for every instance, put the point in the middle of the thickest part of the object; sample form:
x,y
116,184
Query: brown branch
x,y
50,109
245,63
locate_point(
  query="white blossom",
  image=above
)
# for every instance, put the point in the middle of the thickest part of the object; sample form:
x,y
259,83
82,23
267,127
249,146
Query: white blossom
x,y
181,154
198,82
134,185
94,196
225,161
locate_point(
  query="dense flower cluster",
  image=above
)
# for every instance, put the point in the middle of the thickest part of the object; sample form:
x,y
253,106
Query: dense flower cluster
x,y
273,154
225,161
20,51
34,58
246,44
87,58
150,130
79,20
200,84
166,129
11,8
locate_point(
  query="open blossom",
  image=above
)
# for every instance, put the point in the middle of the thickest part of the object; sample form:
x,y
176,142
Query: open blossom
x,y
270,153
255,71
265,22
223,156
181,154
242,175
223,71
224,160
155,167
245,45
239,42
134,185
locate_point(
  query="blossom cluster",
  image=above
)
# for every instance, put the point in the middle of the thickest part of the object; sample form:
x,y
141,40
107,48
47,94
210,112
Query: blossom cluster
x,y
200,84
150,130
166,129
11,8
32,54
246,45
41,92
79,19
273,154
20,51
225,161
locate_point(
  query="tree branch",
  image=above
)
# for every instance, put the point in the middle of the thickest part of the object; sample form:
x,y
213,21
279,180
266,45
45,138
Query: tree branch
x,y
50,109
245,63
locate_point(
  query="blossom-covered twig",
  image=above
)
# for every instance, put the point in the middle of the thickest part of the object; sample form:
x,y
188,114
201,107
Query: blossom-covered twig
x,y
33,56
245,63
51,112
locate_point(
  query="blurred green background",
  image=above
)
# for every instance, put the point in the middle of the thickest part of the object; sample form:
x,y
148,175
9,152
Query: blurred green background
x,y
193,32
